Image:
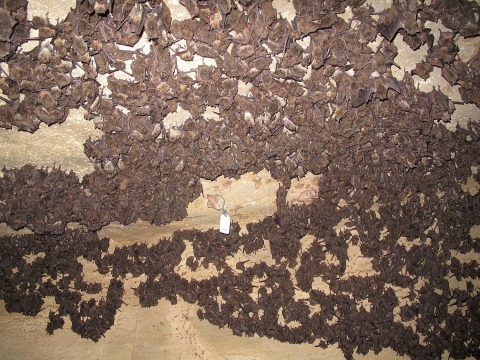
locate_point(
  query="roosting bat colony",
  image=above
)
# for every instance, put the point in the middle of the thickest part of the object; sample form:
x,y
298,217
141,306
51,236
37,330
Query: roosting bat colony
x,y
321,101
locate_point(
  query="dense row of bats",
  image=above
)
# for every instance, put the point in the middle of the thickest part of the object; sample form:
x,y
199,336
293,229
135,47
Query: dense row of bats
x,y
321,101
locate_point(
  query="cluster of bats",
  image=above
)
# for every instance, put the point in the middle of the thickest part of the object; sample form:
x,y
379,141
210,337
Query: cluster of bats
x,y
320,101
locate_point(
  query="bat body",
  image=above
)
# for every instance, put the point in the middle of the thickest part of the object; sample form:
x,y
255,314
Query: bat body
x,y
379,86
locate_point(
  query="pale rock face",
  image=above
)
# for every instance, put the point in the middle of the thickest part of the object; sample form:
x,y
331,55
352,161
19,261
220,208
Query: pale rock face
x,y
57,145
165,329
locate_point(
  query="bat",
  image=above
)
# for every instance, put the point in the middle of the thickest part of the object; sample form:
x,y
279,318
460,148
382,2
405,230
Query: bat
x,y
395,19
378,86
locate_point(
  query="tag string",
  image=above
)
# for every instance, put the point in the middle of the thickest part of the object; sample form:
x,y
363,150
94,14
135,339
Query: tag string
x,y
224,212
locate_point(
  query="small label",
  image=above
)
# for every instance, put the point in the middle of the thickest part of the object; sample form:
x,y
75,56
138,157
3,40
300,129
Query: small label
x,y
225,224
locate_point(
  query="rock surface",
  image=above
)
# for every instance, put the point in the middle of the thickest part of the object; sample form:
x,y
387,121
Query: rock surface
x,y
174,331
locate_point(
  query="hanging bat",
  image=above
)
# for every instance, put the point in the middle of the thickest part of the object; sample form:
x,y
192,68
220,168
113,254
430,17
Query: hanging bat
x,y
379,86
395,19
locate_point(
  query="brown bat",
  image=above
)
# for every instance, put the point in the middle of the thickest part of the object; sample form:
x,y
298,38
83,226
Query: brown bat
x,y
395,19
379,86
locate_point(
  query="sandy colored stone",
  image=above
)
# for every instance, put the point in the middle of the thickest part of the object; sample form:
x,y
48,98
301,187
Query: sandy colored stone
x,y
6,230
462,115
174,331
285,9
303,190
177,118
162,332
58,144
178,11
249,199
469,47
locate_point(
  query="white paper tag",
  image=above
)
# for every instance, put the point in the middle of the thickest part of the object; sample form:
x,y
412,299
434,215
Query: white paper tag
x,y
225,224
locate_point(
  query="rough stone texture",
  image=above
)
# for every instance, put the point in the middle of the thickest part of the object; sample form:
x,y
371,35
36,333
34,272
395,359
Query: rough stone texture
x,y
167,331
57,145
249,199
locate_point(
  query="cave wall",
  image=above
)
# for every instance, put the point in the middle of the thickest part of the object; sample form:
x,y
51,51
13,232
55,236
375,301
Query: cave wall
x,y
175,331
